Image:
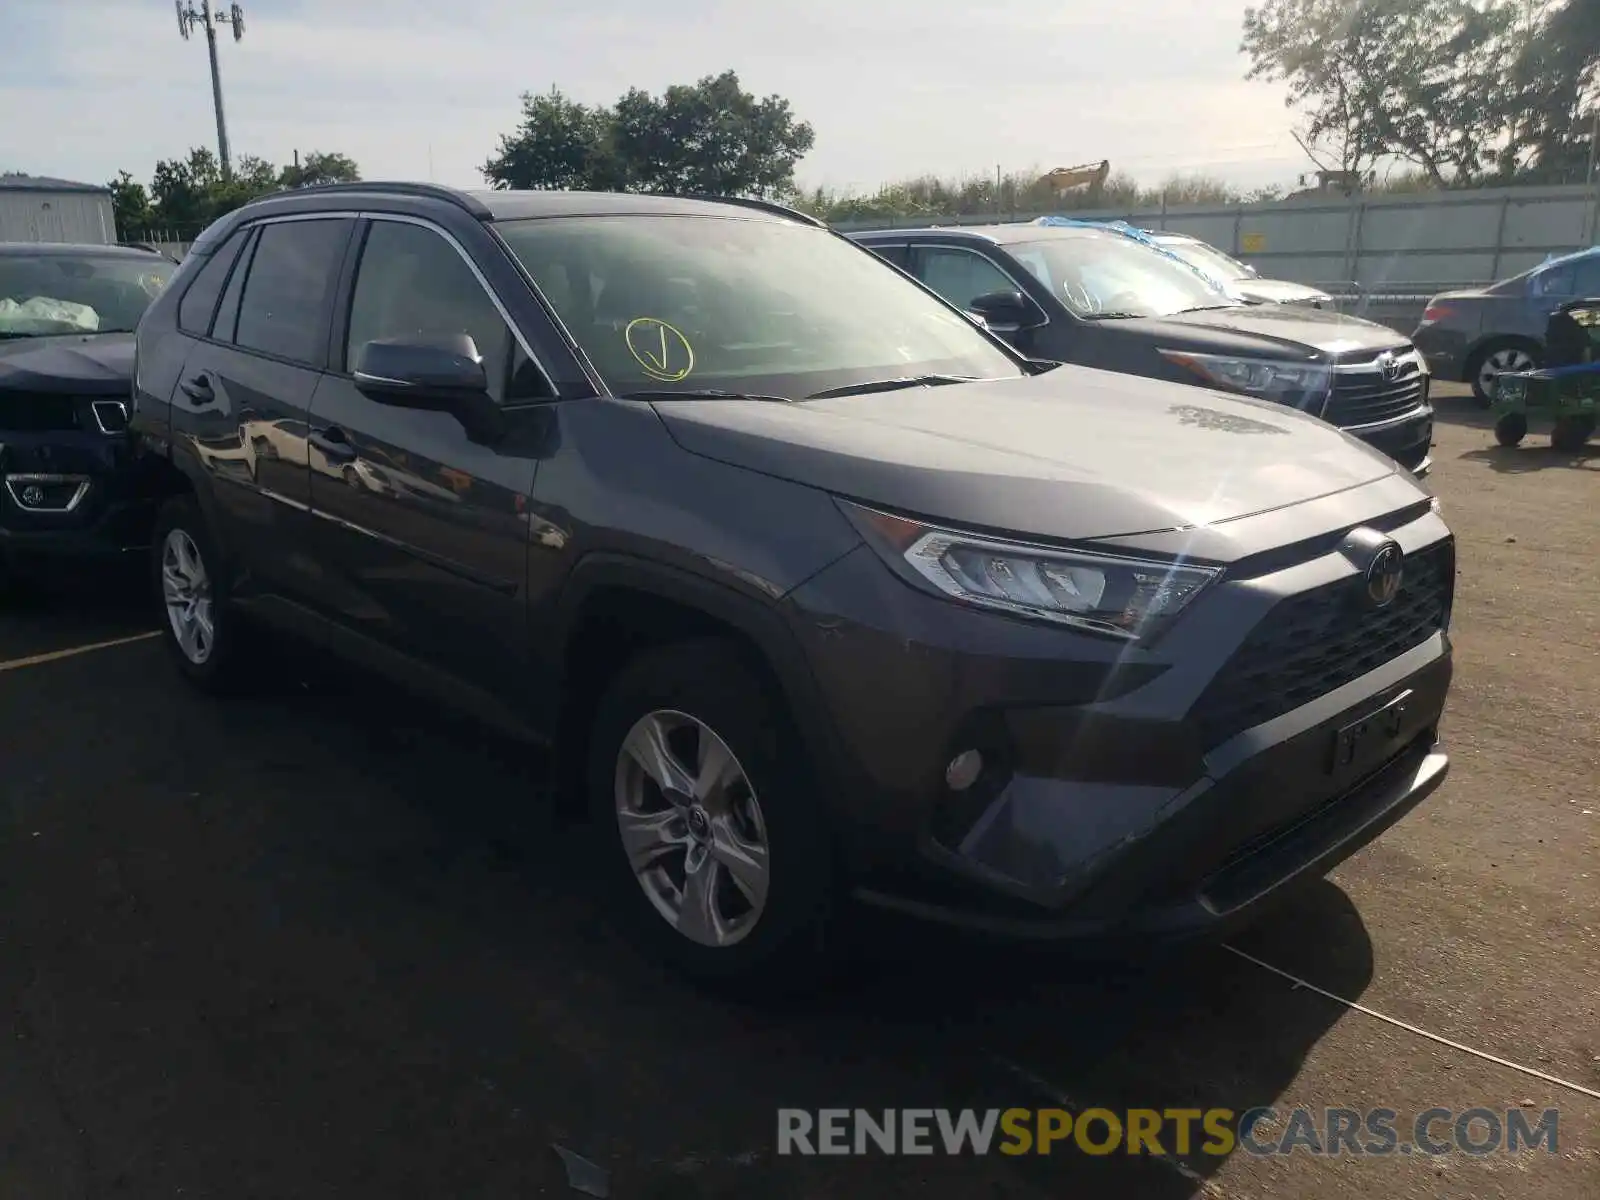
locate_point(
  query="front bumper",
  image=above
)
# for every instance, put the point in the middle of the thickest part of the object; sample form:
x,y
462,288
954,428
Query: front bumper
x,y
73,494
1406,439
1109,806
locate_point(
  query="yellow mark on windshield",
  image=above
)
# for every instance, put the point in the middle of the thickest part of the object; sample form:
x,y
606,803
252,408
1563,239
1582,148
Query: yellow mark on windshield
x,y
660,349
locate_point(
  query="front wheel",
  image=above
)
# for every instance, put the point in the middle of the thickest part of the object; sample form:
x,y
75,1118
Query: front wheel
x,y
1495,362
191,587
714,845
1510,429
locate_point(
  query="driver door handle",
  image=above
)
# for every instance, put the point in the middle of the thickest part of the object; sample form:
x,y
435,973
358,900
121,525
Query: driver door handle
x,y
198,388
334,445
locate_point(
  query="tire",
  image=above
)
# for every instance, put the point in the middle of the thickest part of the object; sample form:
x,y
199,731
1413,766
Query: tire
x,y
182,541
1495,359
1571,434
760,929
1510,429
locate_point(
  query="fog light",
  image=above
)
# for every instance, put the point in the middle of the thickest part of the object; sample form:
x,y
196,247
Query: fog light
x,y
964,770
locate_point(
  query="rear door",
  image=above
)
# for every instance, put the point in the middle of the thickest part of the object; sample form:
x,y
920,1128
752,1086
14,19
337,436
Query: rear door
x,y
423,535
244,396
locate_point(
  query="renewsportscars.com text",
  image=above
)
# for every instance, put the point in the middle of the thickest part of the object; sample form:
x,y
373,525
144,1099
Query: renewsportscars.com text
x,y
1151,1131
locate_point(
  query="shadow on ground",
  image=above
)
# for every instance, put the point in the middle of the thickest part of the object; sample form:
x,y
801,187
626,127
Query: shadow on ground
x,y
326,940
1520,460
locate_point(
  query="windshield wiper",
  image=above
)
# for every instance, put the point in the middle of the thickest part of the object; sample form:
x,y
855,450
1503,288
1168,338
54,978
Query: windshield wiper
x,y
698,394
1114,316
890,385
1211,307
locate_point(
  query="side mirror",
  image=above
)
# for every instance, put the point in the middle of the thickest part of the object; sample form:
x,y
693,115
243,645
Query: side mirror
x,y
1006,312
442,373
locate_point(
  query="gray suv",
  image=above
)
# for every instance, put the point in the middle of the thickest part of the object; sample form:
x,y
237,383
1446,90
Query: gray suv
x,y
823,594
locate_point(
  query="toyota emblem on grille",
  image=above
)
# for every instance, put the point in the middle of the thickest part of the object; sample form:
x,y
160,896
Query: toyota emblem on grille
x,y
1389,366
1384,573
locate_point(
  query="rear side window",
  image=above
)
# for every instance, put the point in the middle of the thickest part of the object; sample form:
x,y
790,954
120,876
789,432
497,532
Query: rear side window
x,y
894,254
283,310
200,301
228,311
1586,277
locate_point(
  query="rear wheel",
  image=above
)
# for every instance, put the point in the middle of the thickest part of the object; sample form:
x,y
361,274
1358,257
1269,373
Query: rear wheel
x,y
1496,360
714,847
191,585
1571,434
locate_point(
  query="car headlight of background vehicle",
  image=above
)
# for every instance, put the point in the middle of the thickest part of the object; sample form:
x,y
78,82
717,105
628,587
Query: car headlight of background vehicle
x,y
1304,385
1124,597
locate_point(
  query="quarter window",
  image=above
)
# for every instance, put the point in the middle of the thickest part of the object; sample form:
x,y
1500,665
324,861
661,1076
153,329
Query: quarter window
x,y
200,301
412,282
283,310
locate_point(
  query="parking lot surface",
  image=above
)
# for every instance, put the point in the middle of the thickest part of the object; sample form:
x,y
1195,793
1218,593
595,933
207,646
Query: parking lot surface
x,y
325,940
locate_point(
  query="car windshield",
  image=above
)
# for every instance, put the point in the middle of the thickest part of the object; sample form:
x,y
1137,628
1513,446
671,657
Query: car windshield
x,y
1100,277
43,295
712,304
1208,259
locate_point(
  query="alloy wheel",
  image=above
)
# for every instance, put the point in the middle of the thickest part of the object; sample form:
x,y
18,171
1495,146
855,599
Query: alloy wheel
x,y
692,828
186,591
1508,359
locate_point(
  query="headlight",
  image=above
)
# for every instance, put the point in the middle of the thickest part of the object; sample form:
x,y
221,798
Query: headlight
x,y
1124,597
1302,384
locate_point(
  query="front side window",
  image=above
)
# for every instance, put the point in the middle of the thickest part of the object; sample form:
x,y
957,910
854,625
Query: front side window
x,y
678,303
49,294
283,309
413,283
960,276
1104,276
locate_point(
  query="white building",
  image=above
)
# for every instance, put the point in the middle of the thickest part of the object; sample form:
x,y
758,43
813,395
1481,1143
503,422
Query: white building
x,y
34,208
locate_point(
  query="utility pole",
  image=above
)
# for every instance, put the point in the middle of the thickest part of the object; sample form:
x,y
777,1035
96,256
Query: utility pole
x,y
188,18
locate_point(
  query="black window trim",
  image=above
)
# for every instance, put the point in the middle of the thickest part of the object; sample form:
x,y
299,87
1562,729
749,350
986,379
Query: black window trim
x,y
254,227
241,262
340,333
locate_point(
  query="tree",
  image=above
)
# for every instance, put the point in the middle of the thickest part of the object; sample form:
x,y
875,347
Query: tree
x,y
1556,92
183,188
318,168
1420,80
560,144
130,204
711,136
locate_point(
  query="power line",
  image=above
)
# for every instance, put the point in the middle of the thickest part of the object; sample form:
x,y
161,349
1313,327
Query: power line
x,y
188,18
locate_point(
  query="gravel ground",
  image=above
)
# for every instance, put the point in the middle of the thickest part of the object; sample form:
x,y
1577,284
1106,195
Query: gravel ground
x,y
325,942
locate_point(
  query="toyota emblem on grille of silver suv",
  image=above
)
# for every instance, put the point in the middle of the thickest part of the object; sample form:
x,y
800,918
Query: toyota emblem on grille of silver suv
x,y
1384,573
1389,366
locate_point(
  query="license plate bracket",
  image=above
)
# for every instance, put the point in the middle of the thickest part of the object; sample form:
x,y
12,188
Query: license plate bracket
x,y
1371,738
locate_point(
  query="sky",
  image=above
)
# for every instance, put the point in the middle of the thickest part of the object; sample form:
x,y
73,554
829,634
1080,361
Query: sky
x,y
415,90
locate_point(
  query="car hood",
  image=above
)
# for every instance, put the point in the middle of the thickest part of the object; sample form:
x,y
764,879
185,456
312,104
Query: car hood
x,y
1277,291
1298,331
1074,453
80,364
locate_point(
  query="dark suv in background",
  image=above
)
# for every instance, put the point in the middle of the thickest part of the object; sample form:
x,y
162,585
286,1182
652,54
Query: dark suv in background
x,y
1094,296
820,590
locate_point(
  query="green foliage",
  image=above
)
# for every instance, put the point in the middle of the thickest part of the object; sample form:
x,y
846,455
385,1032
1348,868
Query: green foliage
x,y
130,204
187,194
711,136
1468,91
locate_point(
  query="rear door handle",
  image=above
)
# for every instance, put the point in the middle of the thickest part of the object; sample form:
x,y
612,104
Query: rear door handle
x,y
199,389
334,445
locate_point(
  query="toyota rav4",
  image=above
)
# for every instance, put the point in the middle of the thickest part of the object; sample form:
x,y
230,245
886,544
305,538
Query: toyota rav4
x,y
822,592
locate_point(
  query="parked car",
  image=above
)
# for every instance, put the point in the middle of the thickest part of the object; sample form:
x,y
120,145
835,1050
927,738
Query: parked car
x,y
1082,294
1477,334
74,486
820,590
1242,281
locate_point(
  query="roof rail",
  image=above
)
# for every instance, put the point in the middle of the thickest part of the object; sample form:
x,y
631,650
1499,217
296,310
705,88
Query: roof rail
x,y
394,187
771,206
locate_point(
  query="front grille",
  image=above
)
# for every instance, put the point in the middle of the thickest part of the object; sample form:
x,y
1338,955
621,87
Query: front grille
x,y
1364,397
1310,644
37,412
